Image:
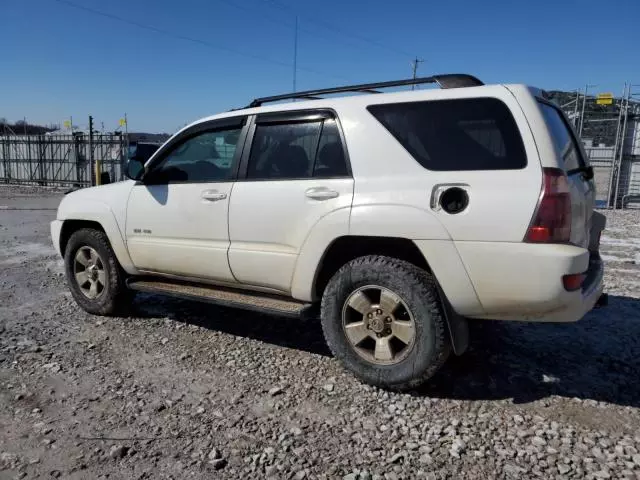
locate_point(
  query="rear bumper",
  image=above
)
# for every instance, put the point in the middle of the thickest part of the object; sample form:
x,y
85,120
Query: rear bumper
x,y
524,281
582,302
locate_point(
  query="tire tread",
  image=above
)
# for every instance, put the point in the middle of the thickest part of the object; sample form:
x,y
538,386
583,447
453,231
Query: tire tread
x,y
421,280
117,297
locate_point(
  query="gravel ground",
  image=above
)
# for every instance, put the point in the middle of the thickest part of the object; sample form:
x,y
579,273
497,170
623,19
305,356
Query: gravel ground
x,y
187,390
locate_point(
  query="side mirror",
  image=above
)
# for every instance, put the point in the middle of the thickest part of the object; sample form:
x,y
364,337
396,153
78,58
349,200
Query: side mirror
x,y
134,169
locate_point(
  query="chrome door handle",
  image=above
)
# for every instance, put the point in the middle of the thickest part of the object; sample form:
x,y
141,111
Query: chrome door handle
x,y
321,193
213,196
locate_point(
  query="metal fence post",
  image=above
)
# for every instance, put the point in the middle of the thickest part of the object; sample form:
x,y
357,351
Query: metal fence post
x,y
77,156
42,153
91,162
622,139
616,144
5,161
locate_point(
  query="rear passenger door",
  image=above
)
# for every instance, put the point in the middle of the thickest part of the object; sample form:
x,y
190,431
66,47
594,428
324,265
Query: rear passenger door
x,y
294,171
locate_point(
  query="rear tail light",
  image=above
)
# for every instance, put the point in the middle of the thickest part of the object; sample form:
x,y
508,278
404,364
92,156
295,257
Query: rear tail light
x,y
552,220
573,282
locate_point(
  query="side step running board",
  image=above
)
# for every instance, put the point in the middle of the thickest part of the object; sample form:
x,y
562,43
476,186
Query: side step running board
x,y
226,297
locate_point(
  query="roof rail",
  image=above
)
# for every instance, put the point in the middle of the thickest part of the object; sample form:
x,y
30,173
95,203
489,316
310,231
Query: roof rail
x,y
450,80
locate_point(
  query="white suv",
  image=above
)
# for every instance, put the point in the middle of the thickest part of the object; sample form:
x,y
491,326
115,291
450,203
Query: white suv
x,y
401,214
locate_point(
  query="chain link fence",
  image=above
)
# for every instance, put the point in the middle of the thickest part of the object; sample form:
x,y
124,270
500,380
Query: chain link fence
x,y
61,159
610,130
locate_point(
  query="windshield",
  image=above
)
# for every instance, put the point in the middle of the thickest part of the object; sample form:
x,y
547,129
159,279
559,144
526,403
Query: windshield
x,y
563,139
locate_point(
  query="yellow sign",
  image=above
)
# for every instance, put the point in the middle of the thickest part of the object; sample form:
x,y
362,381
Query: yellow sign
x,y
604,99
67,124
123,122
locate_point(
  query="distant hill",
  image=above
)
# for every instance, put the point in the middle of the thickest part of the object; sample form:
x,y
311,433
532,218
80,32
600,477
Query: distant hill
x,y
148,137
21,128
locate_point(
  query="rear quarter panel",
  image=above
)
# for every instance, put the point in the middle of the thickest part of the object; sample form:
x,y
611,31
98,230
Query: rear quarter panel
x,y
393,191
502,202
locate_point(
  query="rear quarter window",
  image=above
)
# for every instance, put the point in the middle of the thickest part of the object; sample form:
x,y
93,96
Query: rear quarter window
x,y
460,134
563,139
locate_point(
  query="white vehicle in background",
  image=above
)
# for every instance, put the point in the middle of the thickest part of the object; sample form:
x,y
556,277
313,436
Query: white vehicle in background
x,y
403,215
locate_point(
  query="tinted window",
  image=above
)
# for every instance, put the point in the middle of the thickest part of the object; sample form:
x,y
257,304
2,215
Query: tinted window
x,y
330,161
465,134
206,157
297,150
562,138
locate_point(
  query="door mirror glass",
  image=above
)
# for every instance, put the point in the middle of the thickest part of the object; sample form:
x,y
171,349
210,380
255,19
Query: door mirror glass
x,y
135,169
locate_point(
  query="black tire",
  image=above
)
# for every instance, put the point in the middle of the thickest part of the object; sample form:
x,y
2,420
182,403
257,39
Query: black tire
x,y
417,289
115,297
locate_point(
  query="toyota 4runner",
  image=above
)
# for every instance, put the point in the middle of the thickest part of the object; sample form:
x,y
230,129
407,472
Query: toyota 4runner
x,y
402,215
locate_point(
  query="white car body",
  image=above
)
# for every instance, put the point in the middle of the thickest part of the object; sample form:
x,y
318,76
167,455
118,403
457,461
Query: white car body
x,y
272,235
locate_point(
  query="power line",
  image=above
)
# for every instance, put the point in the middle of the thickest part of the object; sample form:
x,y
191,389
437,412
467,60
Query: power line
x,y
291,25
335,29
186,38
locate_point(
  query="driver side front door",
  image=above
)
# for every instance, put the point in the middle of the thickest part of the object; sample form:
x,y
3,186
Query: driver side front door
x,y
177,217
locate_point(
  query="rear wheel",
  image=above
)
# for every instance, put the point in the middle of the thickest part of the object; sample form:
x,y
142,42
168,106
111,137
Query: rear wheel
x,y
94,276
382,318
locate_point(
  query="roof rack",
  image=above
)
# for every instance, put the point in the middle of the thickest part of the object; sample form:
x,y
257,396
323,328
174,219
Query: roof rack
x,y
450,80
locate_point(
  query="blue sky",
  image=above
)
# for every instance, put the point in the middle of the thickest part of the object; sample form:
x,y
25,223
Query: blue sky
x,y
59,61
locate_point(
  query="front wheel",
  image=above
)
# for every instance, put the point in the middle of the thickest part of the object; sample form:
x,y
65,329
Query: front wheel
x,y
93,273
382,318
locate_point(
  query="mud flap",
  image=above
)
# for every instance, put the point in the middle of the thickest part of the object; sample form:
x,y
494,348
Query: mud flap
x,y
457,324
598,224
603,301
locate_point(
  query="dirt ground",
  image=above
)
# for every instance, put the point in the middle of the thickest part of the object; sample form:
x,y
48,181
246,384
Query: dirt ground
x,y
189,390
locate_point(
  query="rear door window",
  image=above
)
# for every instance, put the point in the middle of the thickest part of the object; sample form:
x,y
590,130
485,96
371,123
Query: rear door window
x,y
298,150
563,139
460,134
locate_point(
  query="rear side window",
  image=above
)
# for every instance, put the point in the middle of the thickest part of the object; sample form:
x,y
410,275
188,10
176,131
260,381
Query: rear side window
x,y
297,151
563,139
461,134
330,161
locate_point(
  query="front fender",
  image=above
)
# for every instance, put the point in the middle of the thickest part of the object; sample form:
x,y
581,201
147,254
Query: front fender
x,y
97,211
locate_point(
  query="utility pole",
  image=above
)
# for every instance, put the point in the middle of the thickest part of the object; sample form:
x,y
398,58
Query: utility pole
x,y
295,54
415,63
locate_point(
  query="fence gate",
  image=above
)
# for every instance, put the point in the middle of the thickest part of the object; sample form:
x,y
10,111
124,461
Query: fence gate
x,y
61,159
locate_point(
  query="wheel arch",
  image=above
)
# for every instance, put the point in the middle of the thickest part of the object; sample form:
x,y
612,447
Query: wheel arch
x,y
69,227
97,216
347,248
